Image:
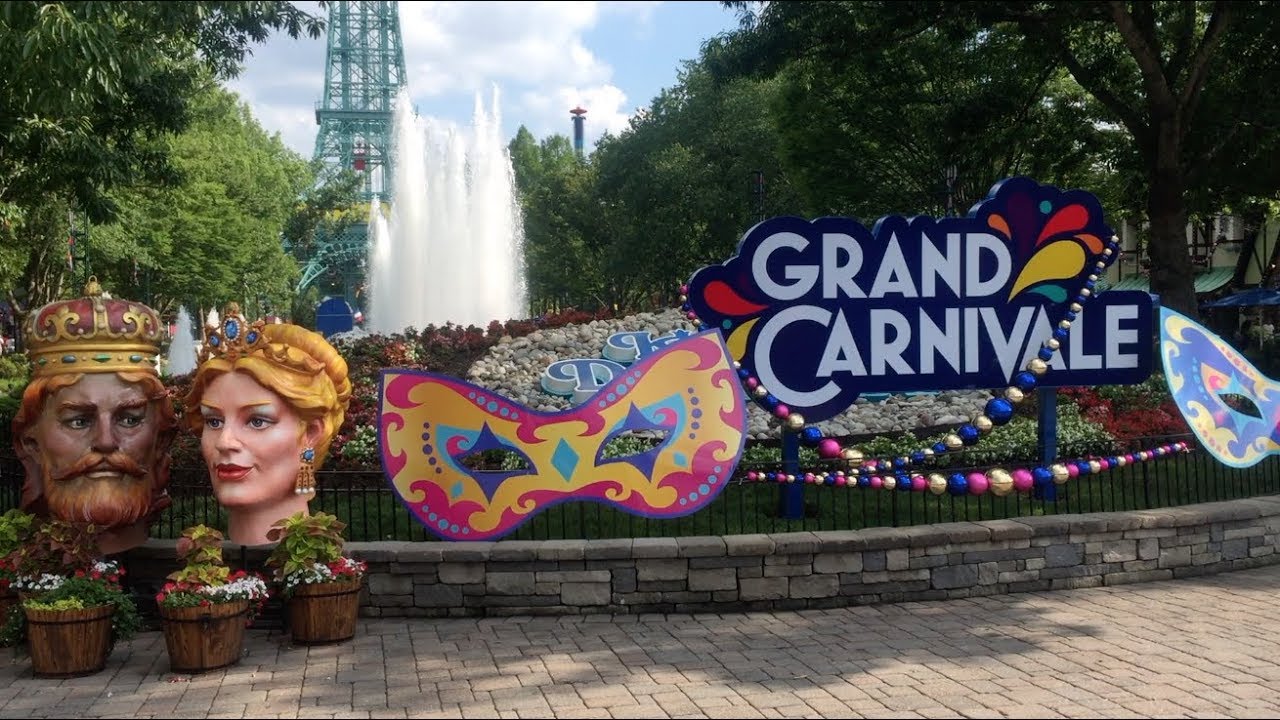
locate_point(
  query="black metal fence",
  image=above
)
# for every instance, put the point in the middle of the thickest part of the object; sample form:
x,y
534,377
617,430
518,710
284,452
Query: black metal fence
x,y
372,510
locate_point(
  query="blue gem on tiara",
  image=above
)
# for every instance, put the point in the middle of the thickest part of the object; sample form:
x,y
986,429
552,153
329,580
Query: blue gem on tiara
x,y
213,340
251,337
232,329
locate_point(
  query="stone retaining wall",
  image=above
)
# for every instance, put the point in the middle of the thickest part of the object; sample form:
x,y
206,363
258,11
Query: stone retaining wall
x,y
804,569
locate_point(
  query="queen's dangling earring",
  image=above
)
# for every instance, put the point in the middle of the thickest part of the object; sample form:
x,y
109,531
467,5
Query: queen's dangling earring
x,y
306,483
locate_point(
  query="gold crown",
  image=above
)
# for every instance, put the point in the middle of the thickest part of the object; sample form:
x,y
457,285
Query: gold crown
x,y
234,338
92,334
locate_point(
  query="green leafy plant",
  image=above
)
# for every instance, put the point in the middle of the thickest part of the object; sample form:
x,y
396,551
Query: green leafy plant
x,y
309,550
16,528
205,579
61,567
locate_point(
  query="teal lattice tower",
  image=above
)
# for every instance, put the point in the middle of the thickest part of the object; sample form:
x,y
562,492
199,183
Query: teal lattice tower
x,y
364,71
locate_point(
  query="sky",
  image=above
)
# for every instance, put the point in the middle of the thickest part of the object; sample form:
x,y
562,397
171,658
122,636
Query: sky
x,y
543,58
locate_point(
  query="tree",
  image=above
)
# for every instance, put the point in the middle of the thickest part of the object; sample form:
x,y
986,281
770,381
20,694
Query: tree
x,y
89,85
215,236
1186,82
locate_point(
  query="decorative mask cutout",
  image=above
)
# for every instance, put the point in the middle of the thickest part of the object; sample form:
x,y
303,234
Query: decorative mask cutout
x,y
1200,368
688,395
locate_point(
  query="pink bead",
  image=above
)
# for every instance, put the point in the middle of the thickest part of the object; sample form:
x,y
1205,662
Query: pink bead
x,y
1022,479
1128,458
782,411
808,478
751,476
752,383
691,315
1073,471
828,448
1104,464
684,289
918,483
877,482
978,483
841,480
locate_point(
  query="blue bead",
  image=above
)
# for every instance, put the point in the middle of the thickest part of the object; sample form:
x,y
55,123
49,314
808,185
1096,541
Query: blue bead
x,y
744,373
969,434
1083,467
1041,476
829,480
939,447
1082,299
901,462
957,484
904,483
864,481
1060,334
771,400
1000,410
917,456
1045,354
232,329
1024,381
811,435
1089,284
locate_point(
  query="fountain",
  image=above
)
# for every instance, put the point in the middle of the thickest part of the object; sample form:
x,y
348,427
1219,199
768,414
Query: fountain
x,y
182,347
452,250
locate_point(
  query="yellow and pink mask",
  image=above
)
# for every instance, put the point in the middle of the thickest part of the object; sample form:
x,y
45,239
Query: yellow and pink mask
x,y
686,397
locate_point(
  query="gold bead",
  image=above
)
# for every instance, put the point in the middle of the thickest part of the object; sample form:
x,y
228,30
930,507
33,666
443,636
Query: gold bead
x,y
760,391
1106,252
1100,265
795,421
1037,366
1001,482
1052,343
1060,473
890,482
983,423
937,484
737,365
683,298
1120,461
886,465
953,442
928,453
1064,324
1014,394
1093,278
1086,292
1076,307
1095,467
853,457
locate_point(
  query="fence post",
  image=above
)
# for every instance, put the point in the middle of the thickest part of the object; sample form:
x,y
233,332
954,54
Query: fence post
x,y
1047,438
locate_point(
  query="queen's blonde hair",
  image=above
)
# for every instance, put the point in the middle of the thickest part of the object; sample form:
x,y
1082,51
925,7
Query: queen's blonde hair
x,y
300,366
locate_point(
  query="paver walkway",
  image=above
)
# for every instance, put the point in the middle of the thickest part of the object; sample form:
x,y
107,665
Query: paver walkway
x,y
1208,647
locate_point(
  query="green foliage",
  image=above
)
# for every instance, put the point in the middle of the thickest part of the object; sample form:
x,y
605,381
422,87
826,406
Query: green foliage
x,y
16,529
304,540
200,550
90,91
57,547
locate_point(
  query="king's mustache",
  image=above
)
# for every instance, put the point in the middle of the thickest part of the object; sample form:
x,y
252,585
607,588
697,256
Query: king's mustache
x,y
93,461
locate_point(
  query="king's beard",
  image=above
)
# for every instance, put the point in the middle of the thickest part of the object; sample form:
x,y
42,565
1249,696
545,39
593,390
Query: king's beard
x,y
109,501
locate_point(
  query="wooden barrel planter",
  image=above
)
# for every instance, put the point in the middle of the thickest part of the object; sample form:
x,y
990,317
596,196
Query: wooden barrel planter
x,y
69,643
323,613
200,639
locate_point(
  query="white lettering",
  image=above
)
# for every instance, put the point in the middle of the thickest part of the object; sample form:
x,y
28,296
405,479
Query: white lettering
x,y
936,265
764,357
883,352
841,353
1005,346
974,285
936,341
894,275
803,277
836,276
1117,337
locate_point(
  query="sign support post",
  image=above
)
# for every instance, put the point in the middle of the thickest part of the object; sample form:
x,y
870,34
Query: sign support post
x,y
791,495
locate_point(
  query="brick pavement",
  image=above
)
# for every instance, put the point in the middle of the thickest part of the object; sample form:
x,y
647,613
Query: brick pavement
x,y
1206,647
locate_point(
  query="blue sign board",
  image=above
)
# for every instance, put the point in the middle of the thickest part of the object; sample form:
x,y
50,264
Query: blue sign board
x,y
823,310
334,315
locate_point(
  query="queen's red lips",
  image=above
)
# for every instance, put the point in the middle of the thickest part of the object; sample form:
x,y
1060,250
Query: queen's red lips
x,y
230,472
